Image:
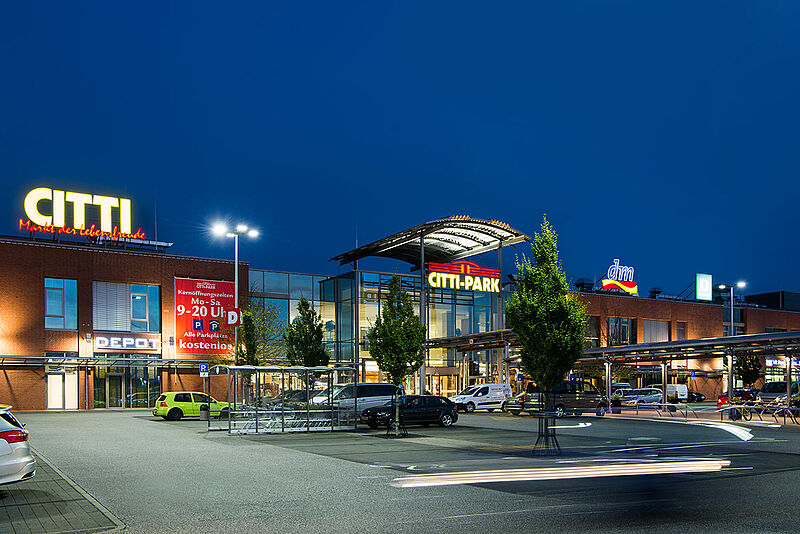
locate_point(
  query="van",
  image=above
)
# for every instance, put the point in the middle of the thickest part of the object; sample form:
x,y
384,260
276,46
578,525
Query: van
x,y
370,394
483,397
675,390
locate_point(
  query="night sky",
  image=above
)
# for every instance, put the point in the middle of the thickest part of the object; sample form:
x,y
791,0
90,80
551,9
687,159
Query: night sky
x,y
663,134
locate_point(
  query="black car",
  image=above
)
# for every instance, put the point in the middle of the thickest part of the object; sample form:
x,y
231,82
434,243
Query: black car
x,y
414,410
694,396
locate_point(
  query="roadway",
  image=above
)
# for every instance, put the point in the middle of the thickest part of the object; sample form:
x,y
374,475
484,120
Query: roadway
x,y
159,476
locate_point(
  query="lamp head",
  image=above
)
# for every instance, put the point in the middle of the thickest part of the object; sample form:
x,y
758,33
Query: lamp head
x,y
722,286
241,228
253,233
219,229
740,284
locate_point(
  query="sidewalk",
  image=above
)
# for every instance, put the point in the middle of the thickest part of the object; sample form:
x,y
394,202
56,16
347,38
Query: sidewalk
x,y
51,503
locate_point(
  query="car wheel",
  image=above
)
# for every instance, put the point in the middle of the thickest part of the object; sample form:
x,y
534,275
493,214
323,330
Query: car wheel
x,y
373,426
601,410
560,411
223,414
446,420
515,412
469,407
174,414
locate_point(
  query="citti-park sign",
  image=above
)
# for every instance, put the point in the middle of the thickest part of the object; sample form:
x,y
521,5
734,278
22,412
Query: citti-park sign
x,y
54,220
463,275
620,277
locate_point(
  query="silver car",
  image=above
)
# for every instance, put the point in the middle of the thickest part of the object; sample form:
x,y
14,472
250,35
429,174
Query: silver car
x,y
643,396
16,462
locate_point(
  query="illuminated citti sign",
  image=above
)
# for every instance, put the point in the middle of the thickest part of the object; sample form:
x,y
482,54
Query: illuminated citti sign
x,y
620,277
55,221
463,275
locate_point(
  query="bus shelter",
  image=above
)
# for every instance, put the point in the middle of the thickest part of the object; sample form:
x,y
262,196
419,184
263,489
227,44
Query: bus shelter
x,y
274,399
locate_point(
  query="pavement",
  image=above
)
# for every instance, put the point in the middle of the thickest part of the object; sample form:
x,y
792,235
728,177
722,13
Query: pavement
x,y
159,476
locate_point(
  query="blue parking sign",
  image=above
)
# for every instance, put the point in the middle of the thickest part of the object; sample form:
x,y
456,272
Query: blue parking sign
x,y
203,369
197,325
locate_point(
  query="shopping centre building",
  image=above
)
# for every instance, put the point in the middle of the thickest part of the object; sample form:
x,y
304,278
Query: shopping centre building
x,y
95,315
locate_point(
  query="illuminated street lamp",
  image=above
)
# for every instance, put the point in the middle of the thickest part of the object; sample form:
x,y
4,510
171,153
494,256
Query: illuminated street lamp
x,y
221,229
723,287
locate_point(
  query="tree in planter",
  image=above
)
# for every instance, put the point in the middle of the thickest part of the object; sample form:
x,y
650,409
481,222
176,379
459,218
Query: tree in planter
x,y
548,319
748,369
396,340
304,338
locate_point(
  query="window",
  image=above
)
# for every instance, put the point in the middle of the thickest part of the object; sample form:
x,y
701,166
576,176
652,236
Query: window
x,y
182,397
482,392
126,307
588,388
592,332
680,330
199,397
276,283
620,331
300,285
655,331
60,304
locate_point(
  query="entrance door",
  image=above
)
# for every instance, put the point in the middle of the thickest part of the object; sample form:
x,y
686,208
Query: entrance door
x,y
55,391
116,391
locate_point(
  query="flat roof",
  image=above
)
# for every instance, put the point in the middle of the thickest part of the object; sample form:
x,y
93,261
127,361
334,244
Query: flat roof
x,y
446,240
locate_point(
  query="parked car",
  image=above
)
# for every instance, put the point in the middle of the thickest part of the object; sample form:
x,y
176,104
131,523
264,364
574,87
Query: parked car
x,y
772,390
483,397
370,394
414,410
747,396
680,391
643,396
178,404
16,462
622,392
694,396
568,397
291,398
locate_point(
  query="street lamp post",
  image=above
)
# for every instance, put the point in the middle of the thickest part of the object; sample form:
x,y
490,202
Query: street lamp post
x,y
733,333
221,229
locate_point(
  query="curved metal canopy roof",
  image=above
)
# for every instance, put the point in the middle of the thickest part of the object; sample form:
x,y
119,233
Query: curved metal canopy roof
x,y
446,240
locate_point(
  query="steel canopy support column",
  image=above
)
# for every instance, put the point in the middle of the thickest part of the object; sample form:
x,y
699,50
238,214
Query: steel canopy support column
x,y
788,379
423,310
607,378
663,381
730,377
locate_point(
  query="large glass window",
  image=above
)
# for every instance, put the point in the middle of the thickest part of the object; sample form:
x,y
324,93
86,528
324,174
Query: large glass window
x,y
276,283
60,304
282,305
680,330
592,333
145,308
256,279
620,331
655,331
301,285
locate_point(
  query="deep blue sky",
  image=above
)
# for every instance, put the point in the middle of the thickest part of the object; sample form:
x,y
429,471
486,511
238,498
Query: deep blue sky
x,y
664,134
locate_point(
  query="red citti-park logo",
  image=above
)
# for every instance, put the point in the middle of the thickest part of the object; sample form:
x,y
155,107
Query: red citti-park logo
x,y
463,275
620,277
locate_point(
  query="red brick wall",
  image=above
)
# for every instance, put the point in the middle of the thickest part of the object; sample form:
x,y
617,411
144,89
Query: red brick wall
x,y
22,332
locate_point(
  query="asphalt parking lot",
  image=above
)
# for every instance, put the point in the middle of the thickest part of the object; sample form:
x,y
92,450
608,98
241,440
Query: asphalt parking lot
x,y
159,476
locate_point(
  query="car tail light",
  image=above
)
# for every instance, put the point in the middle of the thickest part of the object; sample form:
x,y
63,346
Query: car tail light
x,y
163,404
15,436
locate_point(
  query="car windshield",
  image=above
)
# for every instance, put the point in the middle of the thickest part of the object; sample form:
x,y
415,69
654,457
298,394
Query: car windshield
x,y
774,387
469,391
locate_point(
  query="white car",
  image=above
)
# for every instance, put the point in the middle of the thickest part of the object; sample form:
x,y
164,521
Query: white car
x,y
483,397
370,394
16,462
643,396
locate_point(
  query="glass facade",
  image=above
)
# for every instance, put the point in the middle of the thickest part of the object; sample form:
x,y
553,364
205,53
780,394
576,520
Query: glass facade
x,y
349,304
125,387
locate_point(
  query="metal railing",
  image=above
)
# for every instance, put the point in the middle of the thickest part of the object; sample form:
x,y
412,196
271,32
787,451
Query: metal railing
x,y
746,411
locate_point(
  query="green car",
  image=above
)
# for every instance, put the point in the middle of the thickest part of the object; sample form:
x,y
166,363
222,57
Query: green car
x,y
177,404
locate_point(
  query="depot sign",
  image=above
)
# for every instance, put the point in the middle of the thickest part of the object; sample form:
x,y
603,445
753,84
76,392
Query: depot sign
x,y
125,342
463,275
55,220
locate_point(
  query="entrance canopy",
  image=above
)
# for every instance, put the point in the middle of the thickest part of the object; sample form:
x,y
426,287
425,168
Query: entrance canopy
x,y
775,343
446,240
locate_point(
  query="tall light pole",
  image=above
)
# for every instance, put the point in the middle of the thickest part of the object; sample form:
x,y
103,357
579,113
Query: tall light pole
x,y
723,287
221,229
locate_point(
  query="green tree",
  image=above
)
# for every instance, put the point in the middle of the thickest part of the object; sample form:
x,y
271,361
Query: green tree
x,y
260,336
548,319
396,340
748,368
304,338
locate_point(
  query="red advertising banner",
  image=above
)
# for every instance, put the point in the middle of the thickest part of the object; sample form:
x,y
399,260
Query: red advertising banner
x,y
200,316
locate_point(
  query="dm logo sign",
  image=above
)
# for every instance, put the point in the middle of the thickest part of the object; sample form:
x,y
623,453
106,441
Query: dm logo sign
x,y
620,277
